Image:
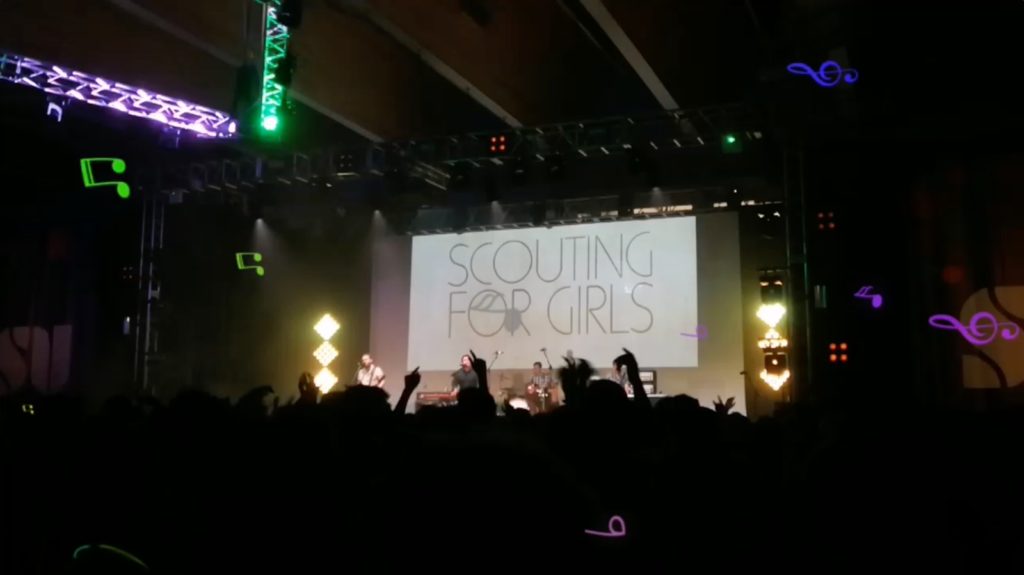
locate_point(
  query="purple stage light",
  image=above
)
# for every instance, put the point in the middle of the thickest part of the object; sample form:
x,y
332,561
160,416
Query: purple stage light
x,y
174,112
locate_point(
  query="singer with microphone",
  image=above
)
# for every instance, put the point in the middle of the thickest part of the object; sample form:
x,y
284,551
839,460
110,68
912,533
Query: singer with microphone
x,y
369,373
464,377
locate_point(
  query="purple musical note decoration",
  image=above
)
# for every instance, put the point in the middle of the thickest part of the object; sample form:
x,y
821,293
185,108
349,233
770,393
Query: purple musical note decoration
x,y
827,75
982,329
876,299
613,531
702,333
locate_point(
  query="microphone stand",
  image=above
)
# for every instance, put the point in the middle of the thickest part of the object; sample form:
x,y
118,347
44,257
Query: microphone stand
x,y
546,358
497,354
545,393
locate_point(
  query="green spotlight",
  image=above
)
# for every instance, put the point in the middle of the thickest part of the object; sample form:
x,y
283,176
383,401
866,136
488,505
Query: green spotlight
x,y
731,144
270,123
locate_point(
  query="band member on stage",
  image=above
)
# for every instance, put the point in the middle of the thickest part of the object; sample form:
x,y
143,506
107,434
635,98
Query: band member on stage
x,y
539,380
369,373
542,392
465,376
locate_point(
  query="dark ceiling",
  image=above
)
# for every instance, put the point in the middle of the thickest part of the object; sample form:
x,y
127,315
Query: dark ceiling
x,y
398,69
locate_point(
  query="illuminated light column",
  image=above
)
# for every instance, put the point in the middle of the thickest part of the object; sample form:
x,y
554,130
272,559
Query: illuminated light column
x,y
275,48
325,353
776,362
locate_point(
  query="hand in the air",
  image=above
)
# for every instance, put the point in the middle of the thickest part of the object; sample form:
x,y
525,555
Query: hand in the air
x,y
479,363
724,407
627,359
632,368
480,367
412,379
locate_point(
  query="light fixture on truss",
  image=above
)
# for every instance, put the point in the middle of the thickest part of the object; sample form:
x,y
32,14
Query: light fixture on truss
x,y
96,91
275,51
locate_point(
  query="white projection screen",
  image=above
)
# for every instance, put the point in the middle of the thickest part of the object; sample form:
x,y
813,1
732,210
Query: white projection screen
x,y
591,289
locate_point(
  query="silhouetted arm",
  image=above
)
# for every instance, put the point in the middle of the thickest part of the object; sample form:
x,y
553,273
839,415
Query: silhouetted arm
x,y
633,373
411,381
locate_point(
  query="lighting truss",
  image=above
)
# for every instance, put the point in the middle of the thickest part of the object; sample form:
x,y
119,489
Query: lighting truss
x,y
275,48
127,99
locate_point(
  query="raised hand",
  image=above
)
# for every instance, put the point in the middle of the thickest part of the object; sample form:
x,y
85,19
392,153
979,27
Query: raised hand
x,y
574,377
627,359
583,372
633,376
480,367
412,379
479,363
724,407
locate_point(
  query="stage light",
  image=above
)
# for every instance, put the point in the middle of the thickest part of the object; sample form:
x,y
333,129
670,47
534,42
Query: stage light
x,y
498,145
826,221
731,144
833,357
776,369
345,165
326,327
771,287
66,84
325,380
275,52
772,340
775,381
771,313
325,354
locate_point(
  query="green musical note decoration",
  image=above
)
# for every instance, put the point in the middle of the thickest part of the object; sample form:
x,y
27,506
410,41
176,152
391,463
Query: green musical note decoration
x,y
256,257
116,164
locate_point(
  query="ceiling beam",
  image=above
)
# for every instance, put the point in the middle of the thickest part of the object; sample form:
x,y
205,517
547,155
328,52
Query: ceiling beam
x,y
630,52
439,66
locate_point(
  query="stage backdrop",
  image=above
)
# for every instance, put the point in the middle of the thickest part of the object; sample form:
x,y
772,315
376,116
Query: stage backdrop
x,y
591,289
588,288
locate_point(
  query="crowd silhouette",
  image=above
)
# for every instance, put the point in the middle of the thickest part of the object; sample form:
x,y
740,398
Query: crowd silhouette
x,y
344,483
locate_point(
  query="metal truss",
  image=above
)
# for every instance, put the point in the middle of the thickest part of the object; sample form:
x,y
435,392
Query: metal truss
x,y
275,49
75,85
666,129
438,162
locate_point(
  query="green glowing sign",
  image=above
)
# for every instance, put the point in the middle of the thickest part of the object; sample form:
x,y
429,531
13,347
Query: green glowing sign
x,y
117,165
256,257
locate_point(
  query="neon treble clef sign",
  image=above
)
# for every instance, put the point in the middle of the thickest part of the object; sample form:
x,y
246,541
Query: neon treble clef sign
x,y
828,75
982,329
